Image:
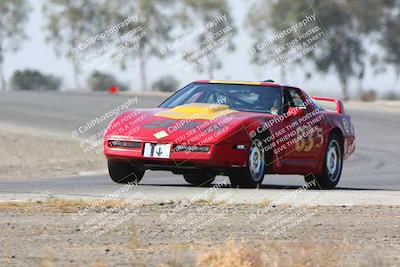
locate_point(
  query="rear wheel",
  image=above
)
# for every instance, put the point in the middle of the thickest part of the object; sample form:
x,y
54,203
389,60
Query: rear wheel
x,y
253,174
199,178
123,172
333,163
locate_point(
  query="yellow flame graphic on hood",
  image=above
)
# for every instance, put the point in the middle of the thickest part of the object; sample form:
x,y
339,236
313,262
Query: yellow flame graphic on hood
x,y
200,111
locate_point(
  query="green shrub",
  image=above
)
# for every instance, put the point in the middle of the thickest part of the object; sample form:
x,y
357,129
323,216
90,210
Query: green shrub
x,y
98,81
391,95
34,80
166,84
368,95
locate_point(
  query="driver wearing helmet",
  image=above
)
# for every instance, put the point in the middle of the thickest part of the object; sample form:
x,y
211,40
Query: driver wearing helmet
x,y
268,103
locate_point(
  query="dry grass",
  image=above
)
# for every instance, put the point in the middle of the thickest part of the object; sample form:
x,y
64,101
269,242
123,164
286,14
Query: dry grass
x,y
10,205
275,254
302,253
272,253
62,205
99,263
48,259
232,255
241,254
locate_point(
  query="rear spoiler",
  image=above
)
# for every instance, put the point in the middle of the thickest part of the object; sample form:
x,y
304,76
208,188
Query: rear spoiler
x,y
339,104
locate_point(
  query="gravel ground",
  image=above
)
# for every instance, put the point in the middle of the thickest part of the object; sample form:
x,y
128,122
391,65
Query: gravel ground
x,y
55,234
26,154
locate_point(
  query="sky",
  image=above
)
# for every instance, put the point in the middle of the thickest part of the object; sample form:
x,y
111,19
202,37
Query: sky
x,y
35,53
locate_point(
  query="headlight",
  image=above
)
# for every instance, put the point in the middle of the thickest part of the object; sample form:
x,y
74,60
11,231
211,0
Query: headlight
x,y
184,148
125,144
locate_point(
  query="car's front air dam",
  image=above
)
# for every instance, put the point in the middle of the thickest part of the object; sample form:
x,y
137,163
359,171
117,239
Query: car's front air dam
x,y
220,155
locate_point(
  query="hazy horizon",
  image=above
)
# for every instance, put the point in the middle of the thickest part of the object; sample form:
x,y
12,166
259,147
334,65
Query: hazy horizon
x,y
35,53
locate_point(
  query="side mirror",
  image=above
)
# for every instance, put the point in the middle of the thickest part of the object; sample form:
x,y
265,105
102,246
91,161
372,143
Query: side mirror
x,y
296,112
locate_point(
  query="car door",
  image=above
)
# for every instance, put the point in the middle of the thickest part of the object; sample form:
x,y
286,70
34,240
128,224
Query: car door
x,y
305,126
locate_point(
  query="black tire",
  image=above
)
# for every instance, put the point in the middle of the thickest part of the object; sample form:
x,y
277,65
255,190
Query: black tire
x,y
199,178
333,165
123,172
253,174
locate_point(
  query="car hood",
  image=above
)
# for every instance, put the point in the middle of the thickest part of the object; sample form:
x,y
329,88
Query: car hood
x,y
189,124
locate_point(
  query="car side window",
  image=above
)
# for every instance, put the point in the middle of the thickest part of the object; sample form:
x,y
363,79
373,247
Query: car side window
x,y
297,101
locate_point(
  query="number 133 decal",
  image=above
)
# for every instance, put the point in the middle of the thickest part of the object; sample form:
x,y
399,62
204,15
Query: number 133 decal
x,y
306,140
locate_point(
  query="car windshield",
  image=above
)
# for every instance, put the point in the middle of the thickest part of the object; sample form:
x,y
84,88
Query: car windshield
x,y
251,98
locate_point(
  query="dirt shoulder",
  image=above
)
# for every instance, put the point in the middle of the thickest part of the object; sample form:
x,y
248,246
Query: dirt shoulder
x,y
203,234
30,154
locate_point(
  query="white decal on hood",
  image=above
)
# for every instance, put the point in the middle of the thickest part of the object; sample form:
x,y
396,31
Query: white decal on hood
x,y
160,134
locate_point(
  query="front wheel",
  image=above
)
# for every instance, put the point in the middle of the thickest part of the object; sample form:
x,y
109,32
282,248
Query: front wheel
x,y
333,163
253,174
123,172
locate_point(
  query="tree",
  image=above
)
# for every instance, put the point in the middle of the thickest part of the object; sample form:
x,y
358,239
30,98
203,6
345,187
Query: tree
x,y
380,23
14,15
390,34
34,80
69,22
219,31
154,23
344,50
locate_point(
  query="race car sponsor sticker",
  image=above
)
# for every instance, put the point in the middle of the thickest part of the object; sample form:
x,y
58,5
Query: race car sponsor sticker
x,y
160,134
156,150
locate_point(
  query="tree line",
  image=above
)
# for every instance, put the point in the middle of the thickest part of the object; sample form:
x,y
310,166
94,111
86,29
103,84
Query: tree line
x,y
349,27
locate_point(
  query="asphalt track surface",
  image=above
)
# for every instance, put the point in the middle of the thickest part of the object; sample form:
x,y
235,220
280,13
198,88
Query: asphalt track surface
x,y
373,169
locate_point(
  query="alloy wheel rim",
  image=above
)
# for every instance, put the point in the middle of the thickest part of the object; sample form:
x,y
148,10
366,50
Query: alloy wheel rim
x,y
256,162
333,160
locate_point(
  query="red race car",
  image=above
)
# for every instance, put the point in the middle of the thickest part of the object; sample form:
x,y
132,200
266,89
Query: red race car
x,y
239,129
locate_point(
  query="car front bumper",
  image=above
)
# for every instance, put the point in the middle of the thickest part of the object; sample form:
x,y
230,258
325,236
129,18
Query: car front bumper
x,y
223,155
